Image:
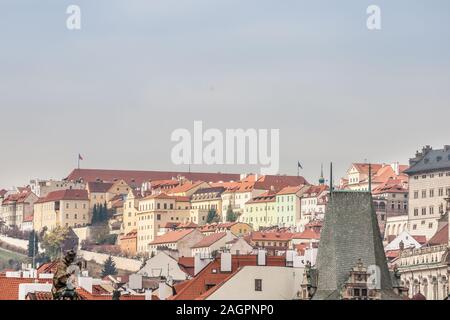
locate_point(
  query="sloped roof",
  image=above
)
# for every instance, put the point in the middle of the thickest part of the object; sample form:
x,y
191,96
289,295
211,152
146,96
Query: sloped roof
x,y
9,287
99,187
172,236
68,194
138,177
432,160
440,238
196,288
209,240
350,233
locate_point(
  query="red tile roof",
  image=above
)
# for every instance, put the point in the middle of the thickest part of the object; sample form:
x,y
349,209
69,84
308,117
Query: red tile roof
x,y
209,240
185,187
130,235
187,265
69,194
19,197
290,190
99,187
207,281
441,237
270,236
172,236
9,287
138,177
307,234
49,267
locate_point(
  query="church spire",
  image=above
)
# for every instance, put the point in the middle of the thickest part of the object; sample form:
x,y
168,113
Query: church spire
x,y
321,179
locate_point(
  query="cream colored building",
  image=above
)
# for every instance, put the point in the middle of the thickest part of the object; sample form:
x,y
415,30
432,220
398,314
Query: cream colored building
x,y
155,211
130,210
65,208
207,199
429,190
288,206
16,206
260,211
42,188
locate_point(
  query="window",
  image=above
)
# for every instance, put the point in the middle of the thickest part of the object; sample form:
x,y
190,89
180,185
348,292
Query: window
x,y
440,192
424,211
430,225
431,210
258,284
424,193
416,194
431,193
414,226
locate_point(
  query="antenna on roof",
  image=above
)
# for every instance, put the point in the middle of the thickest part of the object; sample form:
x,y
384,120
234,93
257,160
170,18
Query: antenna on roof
x,y
331,180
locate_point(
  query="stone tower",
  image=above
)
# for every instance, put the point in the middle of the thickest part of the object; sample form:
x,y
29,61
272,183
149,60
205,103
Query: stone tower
x,y
350,236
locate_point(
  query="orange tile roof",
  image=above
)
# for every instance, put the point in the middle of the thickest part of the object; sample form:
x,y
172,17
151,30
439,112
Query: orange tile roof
x,y
206,282
290,190
172,236
270,236
68,194
9,287
130,235
441,237
307,234
185,187
138,177
209,240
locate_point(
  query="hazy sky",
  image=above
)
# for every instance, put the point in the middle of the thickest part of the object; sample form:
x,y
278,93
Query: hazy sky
x,y
116,89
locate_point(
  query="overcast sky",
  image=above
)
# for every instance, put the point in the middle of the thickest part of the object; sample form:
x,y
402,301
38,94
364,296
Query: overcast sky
x,y
137,70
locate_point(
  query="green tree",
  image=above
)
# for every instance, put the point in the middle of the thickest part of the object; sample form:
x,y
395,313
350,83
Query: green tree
x,y
33,244
53,240
104,213
231,216
109,267
94,214
212,216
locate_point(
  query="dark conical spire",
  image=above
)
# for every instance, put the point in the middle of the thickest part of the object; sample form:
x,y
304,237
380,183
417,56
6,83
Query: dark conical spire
x,y
350,234
321,179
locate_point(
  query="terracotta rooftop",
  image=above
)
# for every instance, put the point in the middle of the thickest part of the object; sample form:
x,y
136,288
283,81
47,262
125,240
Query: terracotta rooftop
x,y
307,234
441,237
211,278
172,236
99,187
209,240
9,287
69,194
138,177
270,236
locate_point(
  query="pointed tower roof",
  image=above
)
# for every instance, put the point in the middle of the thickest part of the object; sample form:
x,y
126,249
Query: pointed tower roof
x,y
321,179
350,233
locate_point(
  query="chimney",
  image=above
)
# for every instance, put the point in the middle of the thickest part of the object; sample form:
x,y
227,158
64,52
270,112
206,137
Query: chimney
x,y
148,294
261,257
163,291
135,281
225,262
446,147
396,167
85,283
200,262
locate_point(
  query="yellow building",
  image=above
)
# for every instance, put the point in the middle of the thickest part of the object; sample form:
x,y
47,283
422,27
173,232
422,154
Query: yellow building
x,y
187,189
130,210
207,199
65,208
155,211
260,211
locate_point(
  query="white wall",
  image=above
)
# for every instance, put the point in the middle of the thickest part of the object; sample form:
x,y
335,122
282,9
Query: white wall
x,y
121,262
283,286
